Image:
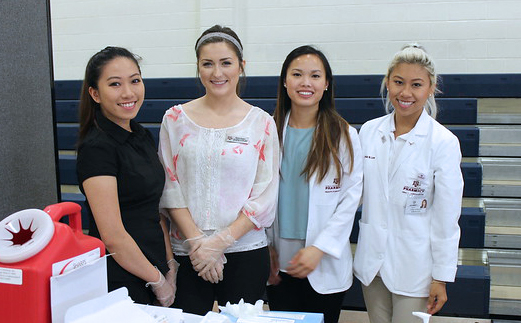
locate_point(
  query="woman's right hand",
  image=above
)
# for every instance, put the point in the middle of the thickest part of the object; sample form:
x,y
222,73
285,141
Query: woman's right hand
x,y
274,278
213,274
208,259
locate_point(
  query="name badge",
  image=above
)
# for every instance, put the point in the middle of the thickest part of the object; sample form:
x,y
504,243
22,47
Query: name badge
x,y
237,140
415,205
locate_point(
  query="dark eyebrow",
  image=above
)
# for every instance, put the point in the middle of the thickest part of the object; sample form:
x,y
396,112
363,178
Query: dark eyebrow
x,y
313,71
414,80
210,60
119,78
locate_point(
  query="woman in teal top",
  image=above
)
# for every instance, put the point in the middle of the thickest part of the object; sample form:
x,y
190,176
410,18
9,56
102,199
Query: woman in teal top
x,y
319,192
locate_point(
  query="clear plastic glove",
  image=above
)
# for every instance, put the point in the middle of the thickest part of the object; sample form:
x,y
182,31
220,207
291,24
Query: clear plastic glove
x,y
193,244
216,272
211,251
165,293
171,275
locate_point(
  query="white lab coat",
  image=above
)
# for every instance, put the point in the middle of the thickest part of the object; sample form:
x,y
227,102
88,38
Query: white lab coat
x,y
407,247
331,214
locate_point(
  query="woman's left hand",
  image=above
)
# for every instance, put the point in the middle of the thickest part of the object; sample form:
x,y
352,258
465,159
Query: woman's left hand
x,y
304,262
171,275
437,297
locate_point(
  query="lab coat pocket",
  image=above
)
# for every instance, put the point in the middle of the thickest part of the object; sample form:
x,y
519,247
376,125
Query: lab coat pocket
x,y
413,273
332,275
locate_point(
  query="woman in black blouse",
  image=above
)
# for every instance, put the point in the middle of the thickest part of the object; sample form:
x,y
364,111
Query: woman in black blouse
x,y
122,178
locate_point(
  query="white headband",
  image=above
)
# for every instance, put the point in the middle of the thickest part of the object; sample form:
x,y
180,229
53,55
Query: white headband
x,y
222,35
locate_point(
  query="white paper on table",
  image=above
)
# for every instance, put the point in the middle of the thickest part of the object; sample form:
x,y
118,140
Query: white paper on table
x,y
121,311
115,306
172,315
76,286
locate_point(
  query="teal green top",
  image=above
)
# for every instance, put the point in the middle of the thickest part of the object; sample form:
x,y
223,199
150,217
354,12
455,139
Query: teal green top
x,y
293,187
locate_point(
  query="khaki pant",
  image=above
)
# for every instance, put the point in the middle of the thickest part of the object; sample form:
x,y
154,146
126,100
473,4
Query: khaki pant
x,y
386,307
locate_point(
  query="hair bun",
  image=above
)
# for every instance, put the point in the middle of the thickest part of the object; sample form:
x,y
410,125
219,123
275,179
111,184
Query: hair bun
x,y
414,45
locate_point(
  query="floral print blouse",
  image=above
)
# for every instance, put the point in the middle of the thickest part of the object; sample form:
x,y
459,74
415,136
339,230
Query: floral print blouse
x,y
218,173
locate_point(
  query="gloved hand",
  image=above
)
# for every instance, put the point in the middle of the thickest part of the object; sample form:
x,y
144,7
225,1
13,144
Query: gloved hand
x,y
165,293
171,275
193,244
211,251
215,273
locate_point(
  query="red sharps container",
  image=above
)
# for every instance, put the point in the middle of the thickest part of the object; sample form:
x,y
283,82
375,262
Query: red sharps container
x,y
30,242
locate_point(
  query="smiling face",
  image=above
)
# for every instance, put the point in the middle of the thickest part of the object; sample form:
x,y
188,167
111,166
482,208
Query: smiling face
x,y
409,87
120,91
306,82
219,69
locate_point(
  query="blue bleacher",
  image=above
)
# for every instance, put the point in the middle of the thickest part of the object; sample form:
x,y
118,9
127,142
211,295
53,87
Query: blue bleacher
x,y
357,100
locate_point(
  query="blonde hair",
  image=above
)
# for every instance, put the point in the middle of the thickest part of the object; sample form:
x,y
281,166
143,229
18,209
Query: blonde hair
x,y
413,54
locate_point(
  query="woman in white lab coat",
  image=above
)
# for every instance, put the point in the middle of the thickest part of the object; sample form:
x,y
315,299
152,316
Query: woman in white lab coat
x,y
407,248
319,193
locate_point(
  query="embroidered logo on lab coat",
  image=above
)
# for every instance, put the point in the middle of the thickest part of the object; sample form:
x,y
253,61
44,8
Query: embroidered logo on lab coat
x,y
335,187
415,187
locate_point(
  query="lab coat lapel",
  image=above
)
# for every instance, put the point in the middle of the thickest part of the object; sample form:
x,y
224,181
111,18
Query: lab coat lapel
x,y
283,136
382,153
414,139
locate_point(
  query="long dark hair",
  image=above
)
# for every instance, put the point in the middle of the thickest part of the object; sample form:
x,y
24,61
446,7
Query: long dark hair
x,y
330,126
217,39
88,106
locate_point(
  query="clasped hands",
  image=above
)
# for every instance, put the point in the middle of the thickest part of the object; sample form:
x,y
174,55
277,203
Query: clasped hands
x,y
207,254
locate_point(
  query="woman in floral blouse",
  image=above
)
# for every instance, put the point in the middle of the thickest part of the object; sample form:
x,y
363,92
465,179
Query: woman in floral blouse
x,y
221,156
